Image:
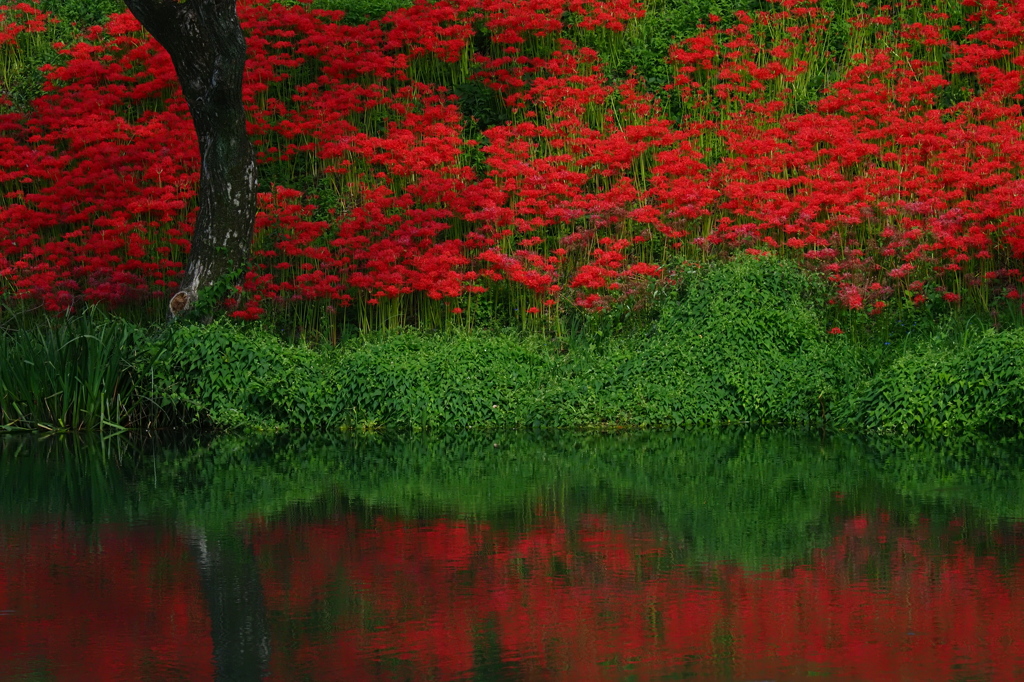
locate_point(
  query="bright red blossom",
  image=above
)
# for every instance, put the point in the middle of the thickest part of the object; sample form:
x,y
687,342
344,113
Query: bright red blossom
x,y
877,180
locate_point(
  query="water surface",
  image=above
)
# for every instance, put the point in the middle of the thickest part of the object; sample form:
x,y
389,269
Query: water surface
x,y
735,555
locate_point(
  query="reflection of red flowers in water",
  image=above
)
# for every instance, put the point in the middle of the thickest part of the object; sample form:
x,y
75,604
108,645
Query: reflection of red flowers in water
x,y
379,598
589,602
122,605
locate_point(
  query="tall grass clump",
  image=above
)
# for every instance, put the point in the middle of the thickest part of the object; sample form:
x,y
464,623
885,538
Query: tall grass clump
x,y
71,373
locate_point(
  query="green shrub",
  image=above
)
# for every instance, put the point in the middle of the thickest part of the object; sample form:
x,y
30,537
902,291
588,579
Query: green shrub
x,y
746,341
362,11
228,377
83,13
460,380
665,23
743,342
976,384
223,375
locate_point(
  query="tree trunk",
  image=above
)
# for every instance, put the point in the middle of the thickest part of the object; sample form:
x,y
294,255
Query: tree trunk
x,y
205,41
238,612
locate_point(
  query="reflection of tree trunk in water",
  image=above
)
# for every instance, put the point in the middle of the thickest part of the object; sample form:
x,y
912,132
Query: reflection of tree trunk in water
x,y
238,614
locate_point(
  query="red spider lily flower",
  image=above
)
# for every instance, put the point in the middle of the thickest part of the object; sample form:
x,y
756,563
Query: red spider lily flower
x,y
98,208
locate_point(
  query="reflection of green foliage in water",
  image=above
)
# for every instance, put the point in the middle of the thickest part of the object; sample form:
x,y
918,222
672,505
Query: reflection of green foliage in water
x,y
751,497
755,497
233,478
956,469
64,475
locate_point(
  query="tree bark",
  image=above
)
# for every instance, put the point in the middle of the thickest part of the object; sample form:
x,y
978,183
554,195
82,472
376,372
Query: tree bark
x,y
205,41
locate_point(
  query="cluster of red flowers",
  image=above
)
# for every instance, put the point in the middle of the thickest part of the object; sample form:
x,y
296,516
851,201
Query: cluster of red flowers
x,y
903,177
898,177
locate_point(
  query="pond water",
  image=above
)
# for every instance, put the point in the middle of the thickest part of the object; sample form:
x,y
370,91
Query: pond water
x,y
733,555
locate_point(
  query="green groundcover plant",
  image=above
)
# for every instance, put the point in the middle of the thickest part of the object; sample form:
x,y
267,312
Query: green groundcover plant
x,y
743,342
748,341
972,383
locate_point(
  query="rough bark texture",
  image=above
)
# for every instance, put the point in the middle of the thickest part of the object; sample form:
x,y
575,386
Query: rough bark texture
x,y
205,41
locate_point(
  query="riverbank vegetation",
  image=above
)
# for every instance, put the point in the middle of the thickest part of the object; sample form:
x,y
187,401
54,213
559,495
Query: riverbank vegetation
x,y
744,342
494,214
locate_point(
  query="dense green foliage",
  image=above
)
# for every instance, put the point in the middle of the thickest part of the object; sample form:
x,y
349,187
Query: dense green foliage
x,y
744,342
971,383
72,373
229,377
